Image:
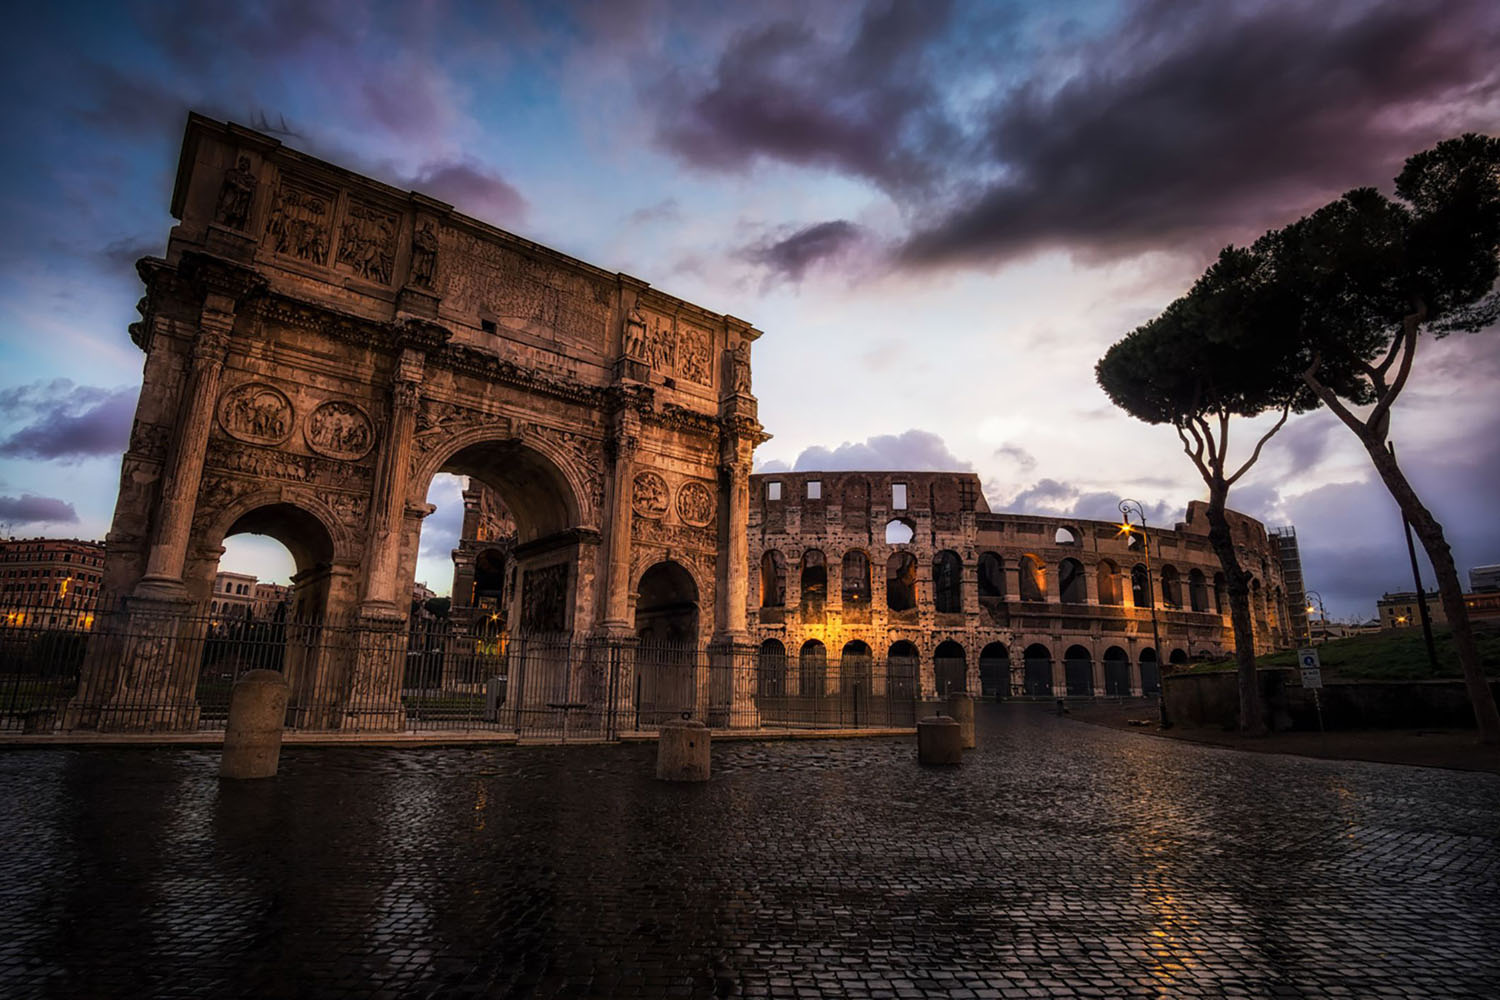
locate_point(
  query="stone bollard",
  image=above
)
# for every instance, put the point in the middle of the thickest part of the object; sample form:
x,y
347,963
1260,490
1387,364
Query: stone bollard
x,y
682,751
961,707
939,741
257,712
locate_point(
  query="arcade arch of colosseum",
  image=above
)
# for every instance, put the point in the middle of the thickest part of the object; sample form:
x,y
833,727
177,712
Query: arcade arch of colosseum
x,y
913,569
319,346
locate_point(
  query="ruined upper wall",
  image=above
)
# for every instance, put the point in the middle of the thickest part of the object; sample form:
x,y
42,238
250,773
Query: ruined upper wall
x,y
326,235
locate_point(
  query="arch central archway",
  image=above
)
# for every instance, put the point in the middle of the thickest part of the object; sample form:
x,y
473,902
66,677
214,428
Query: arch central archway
x,y
667,609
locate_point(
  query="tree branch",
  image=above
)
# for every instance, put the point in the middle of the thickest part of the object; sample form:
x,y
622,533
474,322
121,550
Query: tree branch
x,y
1195,453
1379,417
1255,455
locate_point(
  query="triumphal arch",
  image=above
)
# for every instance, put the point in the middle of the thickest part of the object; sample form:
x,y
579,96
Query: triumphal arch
x,y
320,345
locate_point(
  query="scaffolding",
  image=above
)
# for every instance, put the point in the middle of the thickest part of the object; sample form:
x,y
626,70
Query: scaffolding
x,y
1284,543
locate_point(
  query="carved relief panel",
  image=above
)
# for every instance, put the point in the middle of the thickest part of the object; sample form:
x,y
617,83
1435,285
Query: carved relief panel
x,y
300,223
257,413
649,495
695,503
670,346
367,242
339,429
694,354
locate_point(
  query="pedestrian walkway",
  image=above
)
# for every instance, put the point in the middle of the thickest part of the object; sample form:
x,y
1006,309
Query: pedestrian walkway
x,y
1059,860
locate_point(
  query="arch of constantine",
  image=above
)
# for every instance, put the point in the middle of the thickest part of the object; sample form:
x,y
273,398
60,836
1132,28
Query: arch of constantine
x,y
319,346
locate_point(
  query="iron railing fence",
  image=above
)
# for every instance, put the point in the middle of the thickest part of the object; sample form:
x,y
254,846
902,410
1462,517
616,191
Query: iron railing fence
x,y
129,671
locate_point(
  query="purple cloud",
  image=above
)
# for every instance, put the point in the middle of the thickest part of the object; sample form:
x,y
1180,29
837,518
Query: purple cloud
x,y
66,421
790,257
31,509
912,450
471,188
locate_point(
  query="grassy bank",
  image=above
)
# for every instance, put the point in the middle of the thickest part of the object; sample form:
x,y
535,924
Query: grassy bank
x,y
1397,654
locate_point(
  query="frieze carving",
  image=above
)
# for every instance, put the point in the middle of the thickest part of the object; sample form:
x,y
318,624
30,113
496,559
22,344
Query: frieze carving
x,y
367,242
649,495
424,249
232,210
300,223
659,347
481,275
339,429
257,413
349,508
262,463
583,454
694,354
695,503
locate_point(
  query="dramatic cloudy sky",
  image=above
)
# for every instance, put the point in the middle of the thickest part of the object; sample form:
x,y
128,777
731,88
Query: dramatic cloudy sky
x,y
940,214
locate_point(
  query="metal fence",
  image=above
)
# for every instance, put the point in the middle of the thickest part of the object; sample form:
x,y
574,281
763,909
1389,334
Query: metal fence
x,y
120,671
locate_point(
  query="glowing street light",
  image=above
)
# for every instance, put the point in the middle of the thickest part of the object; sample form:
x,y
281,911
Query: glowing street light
x,y
1322,615
1128,507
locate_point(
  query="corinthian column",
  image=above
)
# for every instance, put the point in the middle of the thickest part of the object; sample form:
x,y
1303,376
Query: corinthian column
x,y
734,565
387,506
184,468
617,582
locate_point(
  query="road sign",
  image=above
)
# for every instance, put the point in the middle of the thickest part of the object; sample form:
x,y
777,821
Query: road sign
x,y
1312,668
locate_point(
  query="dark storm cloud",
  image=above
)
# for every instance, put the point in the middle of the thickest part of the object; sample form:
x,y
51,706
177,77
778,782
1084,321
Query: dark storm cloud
x,y
472,188
1211,124
1053,498
781,91
60,420
120,256
31,509
790,257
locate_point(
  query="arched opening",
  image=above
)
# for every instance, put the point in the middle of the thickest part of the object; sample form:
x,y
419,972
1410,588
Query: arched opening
x,y
1116,672
1140,586
489,578
901,664
947,582
899,531
1036,680
666,607
504,495
1078,671
772,579
991,575
901,581
1109,583
1065,536
1150,673
1198,590
770,669
1033,579
1071,586
269,600
814,577
1178,657
1221,593
994,670
1171,587
856,676
855,571
812,669
950,668
1134,542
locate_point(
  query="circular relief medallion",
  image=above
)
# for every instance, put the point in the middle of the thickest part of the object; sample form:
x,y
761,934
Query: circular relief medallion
x,y
695,504
649,495
257,413
339,429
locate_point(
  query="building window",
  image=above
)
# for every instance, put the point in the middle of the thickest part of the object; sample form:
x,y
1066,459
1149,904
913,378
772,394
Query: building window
x,y
773,491
898,496
814,489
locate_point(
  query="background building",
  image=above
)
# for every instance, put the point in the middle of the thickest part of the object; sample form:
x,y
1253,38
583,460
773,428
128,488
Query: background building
x,y
1484,578
50,581
233,595
913,570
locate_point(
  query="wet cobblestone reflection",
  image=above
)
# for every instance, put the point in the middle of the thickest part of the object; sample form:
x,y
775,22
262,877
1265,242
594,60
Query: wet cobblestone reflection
x,y
1060,860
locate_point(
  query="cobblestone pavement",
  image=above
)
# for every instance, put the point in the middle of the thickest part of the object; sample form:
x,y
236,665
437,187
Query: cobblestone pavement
x,y
1060,860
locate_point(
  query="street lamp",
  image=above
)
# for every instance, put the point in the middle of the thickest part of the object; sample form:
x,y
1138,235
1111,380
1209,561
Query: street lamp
x,y
1322,615
1128,507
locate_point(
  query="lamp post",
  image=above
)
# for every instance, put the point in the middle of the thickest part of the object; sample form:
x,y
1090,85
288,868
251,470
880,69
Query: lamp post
x,y
1128,507
1322,616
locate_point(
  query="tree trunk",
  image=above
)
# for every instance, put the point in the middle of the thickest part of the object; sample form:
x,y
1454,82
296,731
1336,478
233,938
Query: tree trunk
x,y
1430,533
1252,716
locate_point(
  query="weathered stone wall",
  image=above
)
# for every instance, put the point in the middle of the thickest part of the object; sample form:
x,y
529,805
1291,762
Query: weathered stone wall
x,y
947,512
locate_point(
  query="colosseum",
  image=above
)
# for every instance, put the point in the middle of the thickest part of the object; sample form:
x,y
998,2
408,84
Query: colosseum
x,y
910,577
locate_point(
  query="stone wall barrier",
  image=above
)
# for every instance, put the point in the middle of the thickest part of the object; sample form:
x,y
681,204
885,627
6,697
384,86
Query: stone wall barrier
x,y
257,712
939,741
682,751
961,708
